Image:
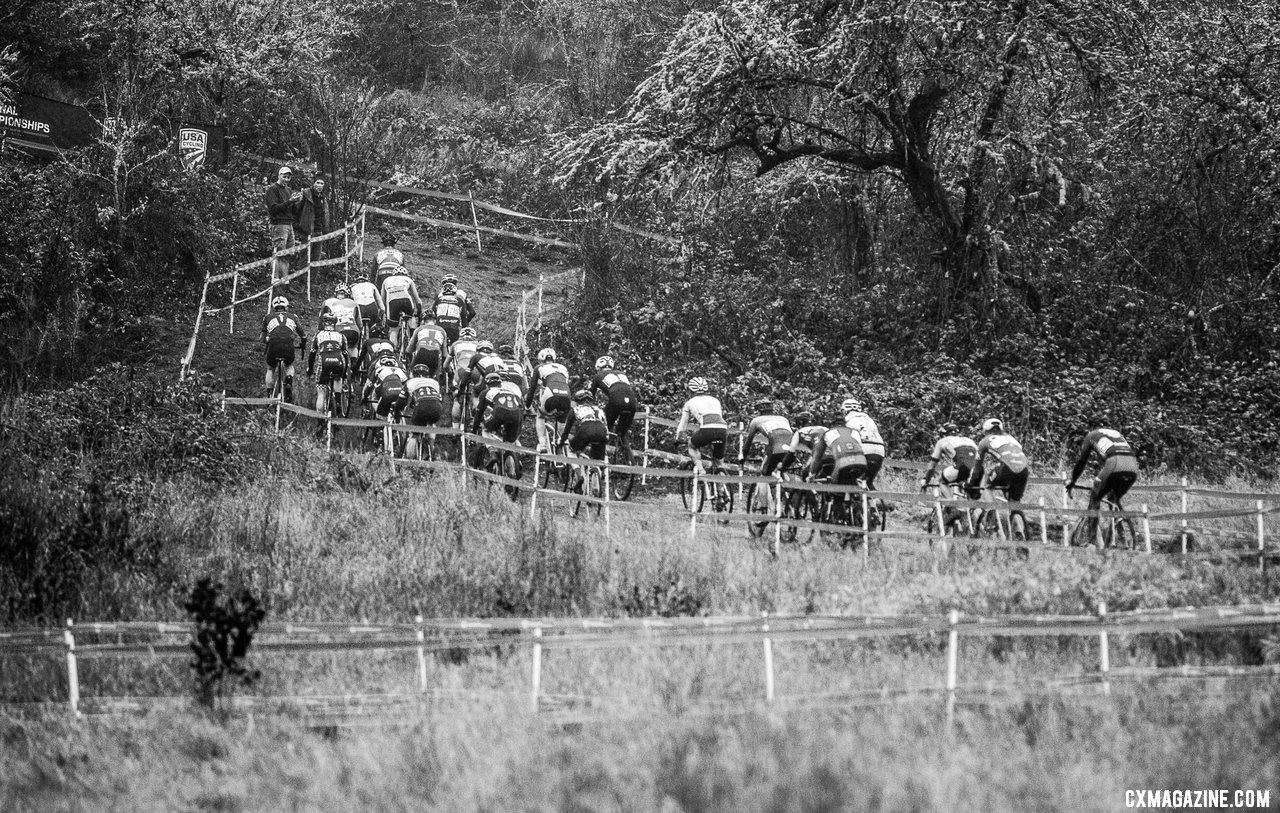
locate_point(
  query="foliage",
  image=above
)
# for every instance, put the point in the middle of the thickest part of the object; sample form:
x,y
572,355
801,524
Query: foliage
x,y
224,630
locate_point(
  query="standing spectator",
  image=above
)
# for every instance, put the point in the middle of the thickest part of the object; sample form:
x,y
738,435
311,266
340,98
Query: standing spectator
x,y
320,205
280,208
304,217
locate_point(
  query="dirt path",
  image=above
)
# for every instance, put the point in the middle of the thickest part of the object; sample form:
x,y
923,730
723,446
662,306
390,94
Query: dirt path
x,y
494,280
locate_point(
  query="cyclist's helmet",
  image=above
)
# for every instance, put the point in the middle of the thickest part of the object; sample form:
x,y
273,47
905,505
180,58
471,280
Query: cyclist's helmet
x,y
428,317
279,304
342,291
698,385
604,363
328,320
421,369
850,405
492,380
449,279
992,425
387,361
467,334
546,354
361,276
948,428
804,419
505,350
766,408
484,346
582,395
388,238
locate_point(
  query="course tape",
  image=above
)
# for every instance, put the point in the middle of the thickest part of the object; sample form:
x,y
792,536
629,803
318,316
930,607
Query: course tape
x,y
449,224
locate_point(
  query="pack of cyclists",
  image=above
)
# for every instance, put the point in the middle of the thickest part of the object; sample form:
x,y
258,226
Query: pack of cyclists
x,y
491,392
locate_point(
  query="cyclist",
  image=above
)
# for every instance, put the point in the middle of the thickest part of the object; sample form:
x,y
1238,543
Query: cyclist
x,y
1117,470
712,432
386,380
999,463
484,361
345,316
329,345
838,456
869,434
585,427
955,453
452,308
281,334
368,299
775,431
513,370
424,406
550,387
400,298
376,346
500,410
427,345
389,259
806,435
620,409
460,355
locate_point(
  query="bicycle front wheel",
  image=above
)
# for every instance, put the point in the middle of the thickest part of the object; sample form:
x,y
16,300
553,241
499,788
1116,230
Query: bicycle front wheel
x,y
595,488
758,503
620,484
511,471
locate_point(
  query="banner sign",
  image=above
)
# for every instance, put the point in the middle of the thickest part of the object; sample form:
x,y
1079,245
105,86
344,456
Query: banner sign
x,y
201,145
43,124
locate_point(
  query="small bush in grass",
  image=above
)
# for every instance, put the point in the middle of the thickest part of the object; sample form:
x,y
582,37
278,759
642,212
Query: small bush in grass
x,y
224,630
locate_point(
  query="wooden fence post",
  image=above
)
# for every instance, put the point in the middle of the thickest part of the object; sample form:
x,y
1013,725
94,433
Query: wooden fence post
x,y
346,253
953,665
768,659
1066,519
535,690
608,527
73,671
1044,525
866,528
742,459
422,655
1104,649
693,505
475,221
308,253
777,519
1183,522
533,498
360,242
235,287
1262,541
1146,528
644,459
942,526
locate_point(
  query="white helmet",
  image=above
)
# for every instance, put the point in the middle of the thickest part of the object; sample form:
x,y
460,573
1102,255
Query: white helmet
x,y
992,425
604,363
279,304
698,385
850,405
546,354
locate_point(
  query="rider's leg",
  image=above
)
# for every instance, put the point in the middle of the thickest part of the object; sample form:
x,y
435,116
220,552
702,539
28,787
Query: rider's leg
x,y
288,382
540,426
696,456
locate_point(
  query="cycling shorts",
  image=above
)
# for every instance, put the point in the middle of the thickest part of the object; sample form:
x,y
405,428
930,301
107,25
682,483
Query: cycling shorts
x,y
352,334
711,438
391,393
1013,482
554,404
401,306
954,474
619,413
846,471
504,422
369,313
593,434
874,462
450,328
427,356
280,350
1114,479
426,412
331,367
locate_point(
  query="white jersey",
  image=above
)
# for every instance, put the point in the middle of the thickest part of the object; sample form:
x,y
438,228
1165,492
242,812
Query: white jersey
x,y
330,340
705,410
364,293
343,310
586,413
552,376
383,372
388,259
421,386
867,430
768,424
397,286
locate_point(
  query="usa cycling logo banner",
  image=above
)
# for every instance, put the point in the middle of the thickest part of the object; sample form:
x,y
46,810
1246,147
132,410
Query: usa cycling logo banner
x,y
193,147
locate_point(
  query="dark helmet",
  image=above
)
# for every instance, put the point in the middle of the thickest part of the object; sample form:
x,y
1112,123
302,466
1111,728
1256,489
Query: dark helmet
x,y
388,238
492,380
948,428
766,408
582,395
378,330
504,350
804,419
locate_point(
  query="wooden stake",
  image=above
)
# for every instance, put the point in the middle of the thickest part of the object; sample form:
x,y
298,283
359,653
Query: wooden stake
x,y
1104,649
1262,541
953,665
235,286
73,671
475,221
866,528
422,655
1066,520
1044,525
1183,521
768,660
777,519
644,460
693,505
1146,528
535,690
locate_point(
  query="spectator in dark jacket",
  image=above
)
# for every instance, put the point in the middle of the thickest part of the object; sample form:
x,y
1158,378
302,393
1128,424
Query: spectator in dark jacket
x,y
311,216
280,208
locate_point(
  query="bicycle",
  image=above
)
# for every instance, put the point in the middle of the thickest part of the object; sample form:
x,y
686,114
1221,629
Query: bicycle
x,y
718,494
591,484
555,468
402,337
838,508
1114,530
955,521
1003,524
620,483
277,384
504,464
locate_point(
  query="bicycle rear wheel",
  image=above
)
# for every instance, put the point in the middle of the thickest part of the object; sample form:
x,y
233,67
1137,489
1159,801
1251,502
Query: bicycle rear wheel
x,y
620,484
595,488
758,502
511,471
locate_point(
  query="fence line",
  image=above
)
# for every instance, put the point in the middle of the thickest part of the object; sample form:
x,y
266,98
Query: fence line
x,y
541,635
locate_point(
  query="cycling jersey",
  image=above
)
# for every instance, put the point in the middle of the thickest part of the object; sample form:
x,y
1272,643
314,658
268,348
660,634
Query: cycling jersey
x,y
614,384
838,452
388,382
465,311
513,371
330,347
585,427
867,431
424,400
1000,463
343,310
501,410
281,333
1118,470
386,262
551,387
453,312
703,409
400,297
375,349
427,346
364,293
481,365
776,431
